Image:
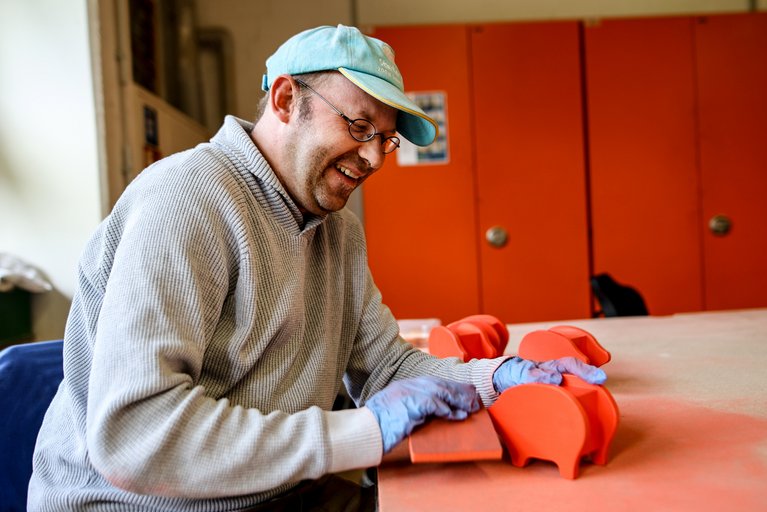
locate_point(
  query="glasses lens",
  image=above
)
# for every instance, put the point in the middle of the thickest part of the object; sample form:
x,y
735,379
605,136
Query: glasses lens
x,y
362,130
390,144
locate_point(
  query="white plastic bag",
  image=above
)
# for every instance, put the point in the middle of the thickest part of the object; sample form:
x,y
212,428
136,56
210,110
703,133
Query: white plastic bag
x,y
16,273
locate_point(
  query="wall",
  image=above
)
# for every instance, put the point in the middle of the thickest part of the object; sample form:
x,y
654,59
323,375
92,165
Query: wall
x,y
50,186
258,28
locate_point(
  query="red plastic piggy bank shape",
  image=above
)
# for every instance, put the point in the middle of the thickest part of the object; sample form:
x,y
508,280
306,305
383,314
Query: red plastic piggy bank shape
x,y
561,424
473,337
563,341
558,423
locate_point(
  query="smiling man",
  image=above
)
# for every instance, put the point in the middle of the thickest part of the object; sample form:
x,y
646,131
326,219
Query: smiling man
x,y
301,130
226,298
318,161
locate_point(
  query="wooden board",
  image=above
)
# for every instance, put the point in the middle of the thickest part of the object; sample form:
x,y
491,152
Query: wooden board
x,y
455,441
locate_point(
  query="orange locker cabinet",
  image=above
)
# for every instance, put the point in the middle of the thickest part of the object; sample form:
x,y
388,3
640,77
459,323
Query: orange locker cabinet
x,y
530,170
644,179
420,220
731,56
516,163
677,129
615,146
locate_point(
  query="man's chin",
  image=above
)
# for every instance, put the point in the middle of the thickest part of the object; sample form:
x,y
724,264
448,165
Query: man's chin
x,y
326,209
332,204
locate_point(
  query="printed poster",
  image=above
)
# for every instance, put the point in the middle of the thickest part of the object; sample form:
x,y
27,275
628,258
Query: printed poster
x,y
434,104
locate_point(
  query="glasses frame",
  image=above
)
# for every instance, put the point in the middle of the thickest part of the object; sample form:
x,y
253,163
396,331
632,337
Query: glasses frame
x,y
388,144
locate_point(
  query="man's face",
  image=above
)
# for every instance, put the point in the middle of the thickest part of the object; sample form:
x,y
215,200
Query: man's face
x,y
325,163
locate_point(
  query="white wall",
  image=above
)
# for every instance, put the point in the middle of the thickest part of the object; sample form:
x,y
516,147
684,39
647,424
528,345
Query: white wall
x,y
49,177
258,28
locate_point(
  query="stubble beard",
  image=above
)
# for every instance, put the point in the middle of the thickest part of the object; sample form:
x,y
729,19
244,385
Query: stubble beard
x,y
313,170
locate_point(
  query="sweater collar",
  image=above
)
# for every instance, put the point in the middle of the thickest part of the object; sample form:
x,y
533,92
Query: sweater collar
x,y
235,136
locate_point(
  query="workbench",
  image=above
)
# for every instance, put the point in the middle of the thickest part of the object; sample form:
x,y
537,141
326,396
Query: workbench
x,y
692,434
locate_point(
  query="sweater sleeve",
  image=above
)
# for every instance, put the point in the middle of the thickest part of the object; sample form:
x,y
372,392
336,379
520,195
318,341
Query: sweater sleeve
x,y
380,355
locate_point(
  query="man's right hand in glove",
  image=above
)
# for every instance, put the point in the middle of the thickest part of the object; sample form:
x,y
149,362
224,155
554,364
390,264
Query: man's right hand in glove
x,y
404,404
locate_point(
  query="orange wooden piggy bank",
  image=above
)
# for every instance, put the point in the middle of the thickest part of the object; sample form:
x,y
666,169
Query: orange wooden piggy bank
x,y
563,341
473,337
563,423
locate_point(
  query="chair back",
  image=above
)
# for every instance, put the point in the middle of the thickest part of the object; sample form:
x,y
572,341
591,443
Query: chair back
x,y
30,374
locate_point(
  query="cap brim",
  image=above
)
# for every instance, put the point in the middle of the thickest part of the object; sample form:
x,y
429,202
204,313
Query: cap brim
x,y
412,122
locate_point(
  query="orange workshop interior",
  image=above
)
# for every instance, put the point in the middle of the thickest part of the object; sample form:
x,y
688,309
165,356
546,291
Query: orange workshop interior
x,y
633,147
601,167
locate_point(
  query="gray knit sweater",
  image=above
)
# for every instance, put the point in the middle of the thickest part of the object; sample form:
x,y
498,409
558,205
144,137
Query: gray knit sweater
x,y
210,330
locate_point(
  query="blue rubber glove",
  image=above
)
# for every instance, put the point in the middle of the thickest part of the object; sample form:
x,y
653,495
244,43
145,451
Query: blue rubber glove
x,y
404,404
517,371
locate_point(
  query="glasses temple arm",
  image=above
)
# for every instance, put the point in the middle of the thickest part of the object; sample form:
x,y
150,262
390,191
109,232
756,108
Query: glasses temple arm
x,y
320,96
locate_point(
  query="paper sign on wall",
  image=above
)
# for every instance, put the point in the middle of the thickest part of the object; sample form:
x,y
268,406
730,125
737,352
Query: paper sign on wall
x,y
435,105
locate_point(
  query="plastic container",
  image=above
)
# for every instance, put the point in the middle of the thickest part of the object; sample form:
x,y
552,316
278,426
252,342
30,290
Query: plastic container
x,y
416,331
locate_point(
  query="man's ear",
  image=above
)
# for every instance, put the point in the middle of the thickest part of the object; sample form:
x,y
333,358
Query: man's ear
x,y
282,97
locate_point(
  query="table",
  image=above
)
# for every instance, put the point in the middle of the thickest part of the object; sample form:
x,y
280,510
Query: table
x,y
692,394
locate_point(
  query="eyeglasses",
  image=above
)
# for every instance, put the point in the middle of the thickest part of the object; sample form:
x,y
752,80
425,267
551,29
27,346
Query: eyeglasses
x,y
361,130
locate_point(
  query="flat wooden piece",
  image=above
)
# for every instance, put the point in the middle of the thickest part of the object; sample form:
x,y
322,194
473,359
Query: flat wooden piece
x,y
455,441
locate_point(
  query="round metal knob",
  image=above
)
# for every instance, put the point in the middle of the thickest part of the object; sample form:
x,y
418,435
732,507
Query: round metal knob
x,y
497,236
720,225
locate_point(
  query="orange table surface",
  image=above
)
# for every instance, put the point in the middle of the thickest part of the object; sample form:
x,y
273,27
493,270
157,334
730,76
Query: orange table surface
x,y
692,434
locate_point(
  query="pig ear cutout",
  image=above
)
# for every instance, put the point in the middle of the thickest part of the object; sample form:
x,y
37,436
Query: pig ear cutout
x,y
475,340
547,345
586,343
495,330
443,342
563,341
473,337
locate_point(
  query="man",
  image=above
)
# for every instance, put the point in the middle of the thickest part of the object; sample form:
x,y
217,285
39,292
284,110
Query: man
x,y
226,297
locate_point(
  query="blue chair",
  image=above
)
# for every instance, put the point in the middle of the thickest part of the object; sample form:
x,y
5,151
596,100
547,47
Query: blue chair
x,y
30,374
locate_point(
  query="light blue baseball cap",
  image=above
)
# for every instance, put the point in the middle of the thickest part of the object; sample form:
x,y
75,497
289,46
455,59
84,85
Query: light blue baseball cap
x,y
366,61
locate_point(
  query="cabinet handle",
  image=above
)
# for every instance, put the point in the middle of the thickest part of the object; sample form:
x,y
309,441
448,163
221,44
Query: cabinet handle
x,y
497,236
720,225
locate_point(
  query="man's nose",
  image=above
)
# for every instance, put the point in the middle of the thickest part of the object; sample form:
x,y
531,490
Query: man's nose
x,y
372,152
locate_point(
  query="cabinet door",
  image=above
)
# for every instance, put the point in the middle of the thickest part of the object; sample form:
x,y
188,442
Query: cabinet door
x,y
732,88
644,177
530,168
420,220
